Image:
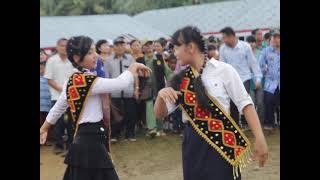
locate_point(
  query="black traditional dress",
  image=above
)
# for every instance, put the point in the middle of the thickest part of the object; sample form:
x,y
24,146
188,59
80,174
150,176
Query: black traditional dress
x,y
88,157
214,147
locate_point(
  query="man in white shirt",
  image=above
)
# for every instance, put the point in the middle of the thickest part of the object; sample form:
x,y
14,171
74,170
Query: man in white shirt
x,y
58,70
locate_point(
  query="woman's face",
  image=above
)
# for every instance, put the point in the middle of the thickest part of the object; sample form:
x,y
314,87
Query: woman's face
x,y
158,48
90,59
148,49
43,56
183,54
105,48
253,45
136,47
172,64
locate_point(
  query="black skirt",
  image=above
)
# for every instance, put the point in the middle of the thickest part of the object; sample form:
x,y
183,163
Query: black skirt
x,y
88,158
201,161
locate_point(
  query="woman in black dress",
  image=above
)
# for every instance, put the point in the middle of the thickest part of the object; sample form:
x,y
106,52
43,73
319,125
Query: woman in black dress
x,y
88,157
214,147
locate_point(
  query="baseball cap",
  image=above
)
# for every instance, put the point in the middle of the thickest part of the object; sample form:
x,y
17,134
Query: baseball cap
x,y
146,41
276,33
119,39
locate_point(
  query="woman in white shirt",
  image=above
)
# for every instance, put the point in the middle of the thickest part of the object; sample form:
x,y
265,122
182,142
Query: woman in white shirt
x,y
213,145
88,157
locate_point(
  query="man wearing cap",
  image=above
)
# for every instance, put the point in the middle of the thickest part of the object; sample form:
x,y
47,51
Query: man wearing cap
x,y
117,63
160,74
270,66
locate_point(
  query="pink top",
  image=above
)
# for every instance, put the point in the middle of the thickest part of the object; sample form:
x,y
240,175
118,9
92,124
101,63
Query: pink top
x,y
179,67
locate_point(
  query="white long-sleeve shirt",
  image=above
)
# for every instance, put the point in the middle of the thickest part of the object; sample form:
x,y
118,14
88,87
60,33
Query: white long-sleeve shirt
x,y
92,111
223,83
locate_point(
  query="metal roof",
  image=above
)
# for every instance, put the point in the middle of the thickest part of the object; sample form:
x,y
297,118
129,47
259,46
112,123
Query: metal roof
x,y
212,17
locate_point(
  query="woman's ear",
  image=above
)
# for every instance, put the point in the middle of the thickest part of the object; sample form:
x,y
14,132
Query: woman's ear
x,y
191,48
76,58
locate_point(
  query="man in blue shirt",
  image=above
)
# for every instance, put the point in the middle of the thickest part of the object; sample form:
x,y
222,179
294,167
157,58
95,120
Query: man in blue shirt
x,y
99,70
239,54
270,66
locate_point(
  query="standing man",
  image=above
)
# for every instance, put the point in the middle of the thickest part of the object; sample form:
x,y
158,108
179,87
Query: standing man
x,y
157,80
123,100
267,38
270,66
239,54
256,94
260,43
58,70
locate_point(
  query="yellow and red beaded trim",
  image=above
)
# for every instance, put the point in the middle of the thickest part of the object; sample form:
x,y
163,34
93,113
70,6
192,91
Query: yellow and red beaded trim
x,y
214,125
78,89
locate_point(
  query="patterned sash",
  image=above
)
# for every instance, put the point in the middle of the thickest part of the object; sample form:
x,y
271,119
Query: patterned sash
x,y
78,89
214,125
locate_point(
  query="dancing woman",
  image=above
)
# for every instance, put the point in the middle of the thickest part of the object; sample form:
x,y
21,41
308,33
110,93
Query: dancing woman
x,y
214,147
88,157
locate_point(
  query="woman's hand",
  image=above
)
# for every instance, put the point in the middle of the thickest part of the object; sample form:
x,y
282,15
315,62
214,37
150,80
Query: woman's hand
x,y
136,94
43,136
169,94
139,69
260,151
44,132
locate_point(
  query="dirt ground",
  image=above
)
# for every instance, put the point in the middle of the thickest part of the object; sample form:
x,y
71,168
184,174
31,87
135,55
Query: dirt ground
x,y
158,159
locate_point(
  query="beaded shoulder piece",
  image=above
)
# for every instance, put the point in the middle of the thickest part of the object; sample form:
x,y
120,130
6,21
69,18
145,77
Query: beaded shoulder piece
x,y
78,89
214,125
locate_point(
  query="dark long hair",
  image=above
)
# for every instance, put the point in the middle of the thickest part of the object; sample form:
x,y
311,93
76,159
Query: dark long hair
x,y
185,36
78,45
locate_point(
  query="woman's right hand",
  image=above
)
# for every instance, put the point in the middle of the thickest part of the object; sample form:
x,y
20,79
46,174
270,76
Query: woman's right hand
x,y
140,69
169,94
43,136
